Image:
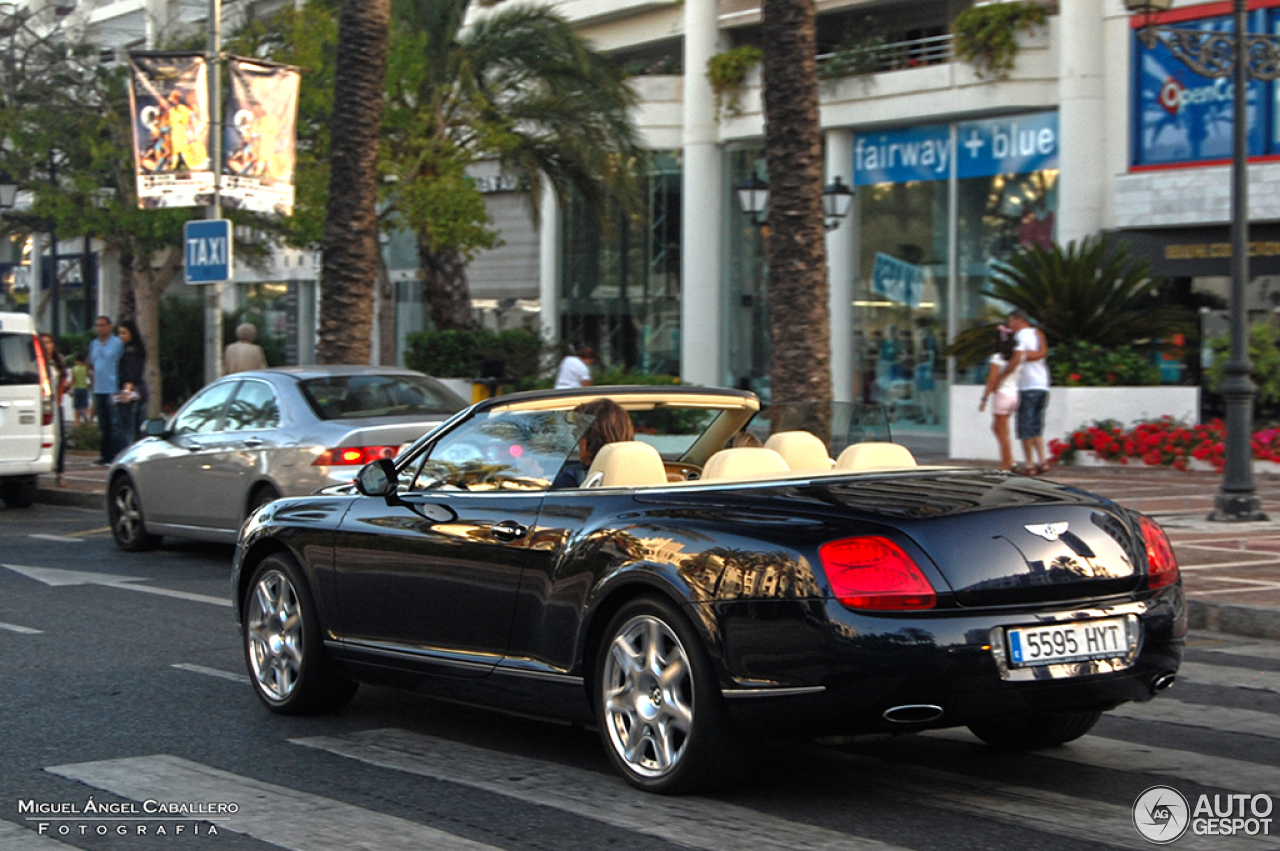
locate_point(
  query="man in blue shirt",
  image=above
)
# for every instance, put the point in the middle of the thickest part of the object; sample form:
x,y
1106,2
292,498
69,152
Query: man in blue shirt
x,y
104,363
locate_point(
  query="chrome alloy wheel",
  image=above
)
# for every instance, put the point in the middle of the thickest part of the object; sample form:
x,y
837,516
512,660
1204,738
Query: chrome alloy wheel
x,y
126,513
648,696
274,631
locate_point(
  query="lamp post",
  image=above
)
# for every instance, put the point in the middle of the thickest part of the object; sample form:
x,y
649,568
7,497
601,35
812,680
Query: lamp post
x,y
1239,56
753,197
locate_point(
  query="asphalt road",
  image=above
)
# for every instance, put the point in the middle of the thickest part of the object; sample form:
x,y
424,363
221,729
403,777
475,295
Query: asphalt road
x,y
122,683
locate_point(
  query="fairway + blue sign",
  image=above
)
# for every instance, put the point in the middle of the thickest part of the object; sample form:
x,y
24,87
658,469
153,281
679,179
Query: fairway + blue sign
x,y
207,251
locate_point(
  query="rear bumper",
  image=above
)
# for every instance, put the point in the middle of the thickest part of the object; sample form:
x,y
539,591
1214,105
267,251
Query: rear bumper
x,y
837,672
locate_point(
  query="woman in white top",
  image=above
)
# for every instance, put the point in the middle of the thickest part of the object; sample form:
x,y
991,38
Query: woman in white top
x,y
1002,389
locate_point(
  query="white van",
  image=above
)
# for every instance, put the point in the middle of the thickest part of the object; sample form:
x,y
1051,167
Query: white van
x,y
27,430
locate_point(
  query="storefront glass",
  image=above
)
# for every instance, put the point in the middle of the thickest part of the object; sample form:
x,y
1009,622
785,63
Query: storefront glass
x,y
620,281
746,311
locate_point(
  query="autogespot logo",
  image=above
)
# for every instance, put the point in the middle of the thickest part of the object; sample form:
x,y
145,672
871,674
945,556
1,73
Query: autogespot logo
x,y
1160,814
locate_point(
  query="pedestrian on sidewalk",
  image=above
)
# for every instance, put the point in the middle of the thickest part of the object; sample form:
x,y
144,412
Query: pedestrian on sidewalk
x,y
80,390
59,379
1033,390
1003,370
575,370
244,353
104,363
131,400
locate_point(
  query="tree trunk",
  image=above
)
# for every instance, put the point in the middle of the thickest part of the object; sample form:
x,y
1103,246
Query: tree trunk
x,y
387,354
149,284
350,265
445,289
799,324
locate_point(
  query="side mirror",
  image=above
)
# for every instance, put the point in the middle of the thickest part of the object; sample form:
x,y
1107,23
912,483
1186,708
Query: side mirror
x,y
156,428
377,478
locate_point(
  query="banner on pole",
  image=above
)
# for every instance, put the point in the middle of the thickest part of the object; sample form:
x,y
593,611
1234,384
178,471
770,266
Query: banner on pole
x,y
260,138
169,103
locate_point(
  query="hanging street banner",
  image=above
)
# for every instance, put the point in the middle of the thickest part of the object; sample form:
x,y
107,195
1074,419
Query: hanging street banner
x,y
169,103
257,170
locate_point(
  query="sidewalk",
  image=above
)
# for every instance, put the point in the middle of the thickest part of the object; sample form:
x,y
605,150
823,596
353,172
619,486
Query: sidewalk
x,y
1231,571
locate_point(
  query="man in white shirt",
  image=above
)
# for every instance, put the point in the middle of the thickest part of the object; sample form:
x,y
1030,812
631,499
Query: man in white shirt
x,y
575,370
1033,389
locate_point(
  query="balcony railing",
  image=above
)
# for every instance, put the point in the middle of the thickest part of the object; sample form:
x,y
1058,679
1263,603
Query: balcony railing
x,y
873,59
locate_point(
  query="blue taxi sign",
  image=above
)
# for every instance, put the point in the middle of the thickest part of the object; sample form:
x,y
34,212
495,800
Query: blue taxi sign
x,y
207,250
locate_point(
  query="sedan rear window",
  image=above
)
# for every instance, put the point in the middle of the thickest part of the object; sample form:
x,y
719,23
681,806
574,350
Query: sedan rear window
x,y
18,359
341,397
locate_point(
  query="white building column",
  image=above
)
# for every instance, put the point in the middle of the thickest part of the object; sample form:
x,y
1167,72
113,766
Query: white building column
x,y
1081,116
841,245
701,324
549,263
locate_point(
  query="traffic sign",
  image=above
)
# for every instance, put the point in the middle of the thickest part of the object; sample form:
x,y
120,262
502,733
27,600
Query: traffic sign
x,y
208,251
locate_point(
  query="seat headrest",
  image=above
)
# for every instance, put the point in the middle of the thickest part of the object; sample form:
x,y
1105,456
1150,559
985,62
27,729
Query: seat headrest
x,y
743,462
802,450
870,455
627,464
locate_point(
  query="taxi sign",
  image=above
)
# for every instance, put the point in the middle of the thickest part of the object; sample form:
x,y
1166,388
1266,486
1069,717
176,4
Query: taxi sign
x,y
207,251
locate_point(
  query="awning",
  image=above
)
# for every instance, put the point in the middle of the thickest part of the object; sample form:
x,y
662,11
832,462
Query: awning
x,y
1203,251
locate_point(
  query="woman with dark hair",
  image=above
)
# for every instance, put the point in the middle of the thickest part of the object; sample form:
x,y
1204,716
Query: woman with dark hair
x,y
59,379
610,424
131,400
1002,389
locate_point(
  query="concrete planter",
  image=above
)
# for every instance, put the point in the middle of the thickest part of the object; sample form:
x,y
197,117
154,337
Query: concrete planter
x,y
1070,408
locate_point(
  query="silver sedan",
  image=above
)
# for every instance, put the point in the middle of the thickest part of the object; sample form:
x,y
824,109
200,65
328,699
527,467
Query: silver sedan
x,y
252,437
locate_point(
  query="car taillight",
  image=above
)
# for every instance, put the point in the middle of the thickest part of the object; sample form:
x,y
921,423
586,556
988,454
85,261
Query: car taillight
x,y
353,456
874,573
46,389
1162,565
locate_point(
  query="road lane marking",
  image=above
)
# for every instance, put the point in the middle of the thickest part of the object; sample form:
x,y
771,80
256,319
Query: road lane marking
x,y
1219,718
58,578
66,539
21,630
1202,673
210,672
14,837
693,822
285,817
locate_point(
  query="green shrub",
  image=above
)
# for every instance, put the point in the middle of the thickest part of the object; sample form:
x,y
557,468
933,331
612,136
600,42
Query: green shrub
x,y
1083,364
1264,354
84,436
987,36
461,354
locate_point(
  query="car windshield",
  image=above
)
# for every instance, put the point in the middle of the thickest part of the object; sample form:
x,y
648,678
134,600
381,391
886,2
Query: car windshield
x,y
18,359
341,397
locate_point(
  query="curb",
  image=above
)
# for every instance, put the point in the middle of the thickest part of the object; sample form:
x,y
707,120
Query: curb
x,y
1247,621
92,500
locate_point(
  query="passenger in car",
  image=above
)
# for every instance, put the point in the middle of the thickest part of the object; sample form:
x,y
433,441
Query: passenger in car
x,y
612,424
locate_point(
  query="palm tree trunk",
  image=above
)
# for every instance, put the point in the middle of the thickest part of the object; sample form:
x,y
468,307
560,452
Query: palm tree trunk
x,y
799,322
445,289
350,265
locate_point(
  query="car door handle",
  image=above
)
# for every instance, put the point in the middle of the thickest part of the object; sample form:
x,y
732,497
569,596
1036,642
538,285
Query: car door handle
x,y
509,530
252,442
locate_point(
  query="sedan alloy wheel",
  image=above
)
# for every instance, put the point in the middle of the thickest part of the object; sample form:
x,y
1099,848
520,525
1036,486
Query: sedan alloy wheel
x,y
128,525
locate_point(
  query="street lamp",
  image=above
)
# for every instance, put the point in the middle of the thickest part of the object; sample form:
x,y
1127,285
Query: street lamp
x,y
753,197
1240,56
836,201
8,192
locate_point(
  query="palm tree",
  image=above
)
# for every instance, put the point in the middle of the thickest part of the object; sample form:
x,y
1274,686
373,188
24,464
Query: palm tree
x,y
798,313
350,245
1090,292
516,86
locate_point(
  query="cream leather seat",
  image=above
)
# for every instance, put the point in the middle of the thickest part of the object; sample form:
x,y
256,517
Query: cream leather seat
x,y
802,450
874,455
627,464
743,462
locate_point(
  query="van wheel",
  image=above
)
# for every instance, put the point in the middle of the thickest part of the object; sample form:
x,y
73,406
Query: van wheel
x,y
19,493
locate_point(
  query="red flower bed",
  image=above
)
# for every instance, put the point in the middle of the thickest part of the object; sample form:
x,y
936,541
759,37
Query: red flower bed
x,y
1164,442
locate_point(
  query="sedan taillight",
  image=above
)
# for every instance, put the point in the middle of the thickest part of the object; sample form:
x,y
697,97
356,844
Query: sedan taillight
x,y
874,573
354,456
1162,565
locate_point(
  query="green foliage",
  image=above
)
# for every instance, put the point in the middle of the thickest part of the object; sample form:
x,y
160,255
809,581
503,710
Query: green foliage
x,y
448,212
858,52
1264,352
1083,364
461,354
987,36
620,375
85,436
1091,292
181,350
727,70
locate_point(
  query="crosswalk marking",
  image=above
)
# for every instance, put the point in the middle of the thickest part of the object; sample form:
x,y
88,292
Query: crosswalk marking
x,y
1208,717
17,838
21,630
210,672
693,822
1202,673
285,817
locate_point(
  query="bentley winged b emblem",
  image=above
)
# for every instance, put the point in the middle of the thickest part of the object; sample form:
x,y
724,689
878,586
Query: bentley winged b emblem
x,y
1048,531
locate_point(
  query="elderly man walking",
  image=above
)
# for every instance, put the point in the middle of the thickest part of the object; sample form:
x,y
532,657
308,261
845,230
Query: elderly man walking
x,y
244,353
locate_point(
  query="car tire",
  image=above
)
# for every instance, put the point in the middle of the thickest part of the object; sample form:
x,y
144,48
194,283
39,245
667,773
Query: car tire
x,y
1032,730
124,513
261,496
19,493
660,712
284,651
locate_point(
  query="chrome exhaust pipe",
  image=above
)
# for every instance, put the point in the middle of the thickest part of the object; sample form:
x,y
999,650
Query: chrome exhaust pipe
x,y
1162,682
915,713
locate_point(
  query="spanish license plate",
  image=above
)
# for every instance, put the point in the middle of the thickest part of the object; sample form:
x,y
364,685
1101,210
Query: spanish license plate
x,y
1067,642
